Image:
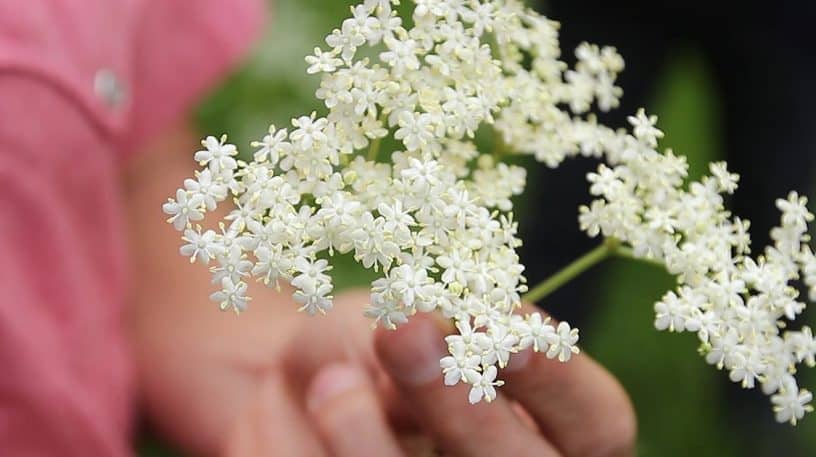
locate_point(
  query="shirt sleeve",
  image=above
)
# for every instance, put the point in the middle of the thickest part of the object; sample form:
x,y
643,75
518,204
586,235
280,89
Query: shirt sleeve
x,y
82,85
180,53
65,381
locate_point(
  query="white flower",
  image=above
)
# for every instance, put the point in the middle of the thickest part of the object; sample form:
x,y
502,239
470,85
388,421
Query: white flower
x,y
211,190
791,404
484,385
460,365
746,366
272,146
562,343
802,345
481,17
310,274
325,62
273,262
672,313
503,343
346,41
644,128
536,332
233,264
385,306
416,130
316,300
309,131
232,295
218,154
184,209
794,210
411,284
200,246
402,55
726,181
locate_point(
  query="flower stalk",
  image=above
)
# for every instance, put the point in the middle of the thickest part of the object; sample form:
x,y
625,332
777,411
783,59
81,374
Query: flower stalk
x,y
610,247
571,271
374,149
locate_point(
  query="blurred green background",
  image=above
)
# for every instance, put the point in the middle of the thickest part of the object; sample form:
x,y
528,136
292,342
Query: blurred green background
x,y
685,407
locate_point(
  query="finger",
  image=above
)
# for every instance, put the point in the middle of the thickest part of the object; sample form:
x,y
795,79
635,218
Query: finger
x,y
411,356
346,411
417,445
272,424
579,406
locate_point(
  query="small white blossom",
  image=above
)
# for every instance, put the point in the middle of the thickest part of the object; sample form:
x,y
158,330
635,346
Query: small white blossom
x,y
644,128
184,209
200,246
322,62
461,365
218,155
309,131
232,295
484,385
562,343
791,404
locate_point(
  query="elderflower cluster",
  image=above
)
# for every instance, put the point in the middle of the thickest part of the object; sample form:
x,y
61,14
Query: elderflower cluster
x,y
434,217
738,305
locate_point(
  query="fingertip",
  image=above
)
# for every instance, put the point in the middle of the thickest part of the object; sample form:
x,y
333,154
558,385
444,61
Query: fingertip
x,y
411,353
601,419
331,382
347,413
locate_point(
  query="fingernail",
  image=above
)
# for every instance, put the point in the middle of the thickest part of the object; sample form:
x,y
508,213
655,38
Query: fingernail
x,y
411,353
332,382
519,361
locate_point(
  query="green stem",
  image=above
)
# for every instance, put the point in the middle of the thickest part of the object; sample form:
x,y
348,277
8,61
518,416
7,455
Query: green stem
x,y
374,149
608,248
572,270
499,148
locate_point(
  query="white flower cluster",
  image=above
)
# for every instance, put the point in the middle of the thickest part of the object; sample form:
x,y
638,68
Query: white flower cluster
x,y
738,305
435,217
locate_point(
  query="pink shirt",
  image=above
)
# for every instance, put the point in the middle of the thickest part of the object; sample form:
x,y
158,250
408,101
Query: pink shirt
x,y
81,84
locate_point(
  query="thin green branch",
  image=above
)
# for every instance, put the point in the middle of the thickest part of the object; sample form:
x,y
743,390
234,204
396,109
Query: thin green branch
x,y
374,149
499,147
572,270
610,247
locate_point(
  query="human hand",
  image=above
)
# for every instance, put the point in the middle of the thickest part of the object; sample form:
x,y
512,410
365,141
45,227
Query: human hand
x,y
270,382
330,386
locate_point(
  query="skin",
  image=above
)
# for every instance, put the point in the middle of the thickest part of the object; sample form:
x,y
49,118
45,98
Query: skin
x,y
277,382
